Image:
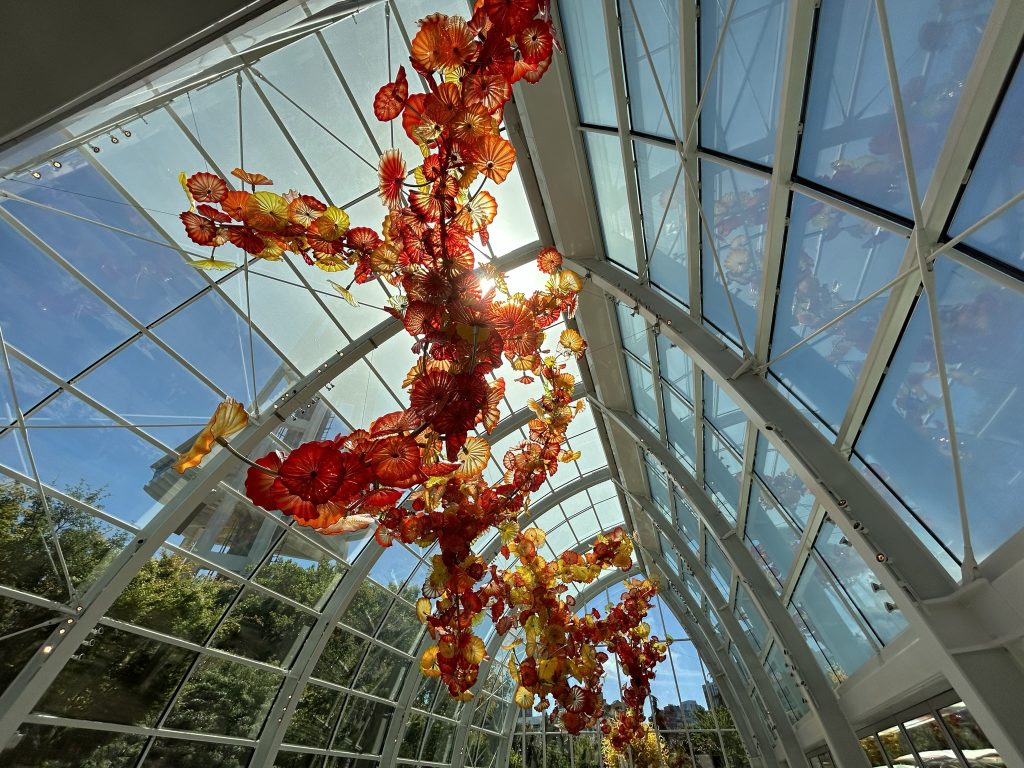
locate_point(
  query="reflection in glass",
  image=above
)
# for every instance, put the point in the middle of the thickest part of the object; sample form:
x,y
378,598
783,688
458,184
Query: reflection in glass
x,y
224,698
850,139
833,259
736,209
118,677
587,44
830,623
609,177
897,747
998,175
659,23
264,629
741,112
36,745
641,383
662,196
971,740
770,535
905,440
177,753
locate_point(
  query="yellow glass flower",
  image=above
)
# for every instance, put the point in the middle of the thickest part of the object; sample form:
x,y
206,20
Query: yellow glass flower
x,y
229,418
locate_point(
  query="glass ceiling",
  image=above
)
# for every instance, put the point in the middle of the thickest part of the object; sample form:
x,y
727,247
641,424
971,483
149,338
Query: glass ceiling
x,y
804,204
788,233
115,353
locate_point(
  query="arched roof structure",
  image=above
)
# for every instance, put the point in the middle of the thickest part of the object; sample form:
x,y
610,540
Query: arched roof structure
x,y
800,227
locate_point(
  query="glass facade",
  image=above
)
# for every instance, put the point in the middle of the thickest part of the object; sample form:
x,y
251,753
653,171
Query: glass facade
x,y
794,205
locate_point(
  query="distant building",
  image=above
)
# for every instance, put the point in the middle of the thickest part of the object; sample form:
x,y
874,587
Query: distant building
x,y
713,695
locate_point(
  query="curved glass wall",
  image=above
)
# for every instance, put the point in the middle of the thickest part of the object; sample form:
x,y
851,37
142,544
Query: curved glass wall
x,y
793,236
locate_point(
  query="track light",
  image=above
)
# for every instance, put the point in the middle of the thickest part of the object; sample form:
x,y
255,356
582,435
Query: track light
x,y
56,163
36,175
114,139
94,148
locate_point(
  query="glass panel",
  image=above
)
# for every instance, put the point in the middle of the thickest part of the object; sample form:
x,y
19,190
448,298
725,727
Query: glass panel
x,y
969,737
679,419
368,606
830,623
382,673
609,177
27,555
18,641
300,571
642,385
662,196
118,677
850,140
905,440
633,329
741,107
341,657
659,23
750,619
224,698
176,753
676,368
897,747
718,565
401,629
722,471
363,726
659,488
855,578
262,628
833,259
727,417
785,685
686,520
994,181
173,595
772,538
785,485
438,742
145,278
64,326
736,209
873,751
38,745
314,717
587,46
121,463
929,740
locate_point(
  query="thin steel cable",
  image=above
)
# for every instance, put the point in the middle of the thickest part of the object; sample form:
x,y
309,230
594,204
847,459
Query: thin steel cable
x,y
681,150
317,122
245,264
969,565
47,512
841,316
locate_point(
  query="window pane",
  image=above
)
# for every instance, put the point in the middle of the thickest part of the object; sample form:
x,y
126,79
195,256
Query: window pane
x,y
722,470
587,46
905,439
724,414
679,418
609,177
676,368
363,726
659,23
177,753
633,329
994,181
832,626
71,748
264,629
741,109
833,259
662,196
772,538
642,385
224,698
119,678
736,209
968,735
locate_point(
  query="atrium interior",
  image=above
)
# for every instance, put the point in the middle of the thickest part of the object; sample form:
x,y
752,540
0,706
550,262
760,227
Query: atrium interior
x,y
801,228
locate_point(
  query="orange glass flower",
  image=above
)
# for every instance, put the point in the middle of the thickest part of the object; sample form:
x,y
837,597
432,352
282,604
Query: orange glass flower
x,y
228,418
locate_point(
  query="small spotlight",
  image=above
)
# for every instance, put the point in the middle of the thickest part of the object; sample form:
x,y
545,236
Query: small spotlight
x,y
126,132
56,163
94,148
114,140
36,175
